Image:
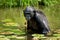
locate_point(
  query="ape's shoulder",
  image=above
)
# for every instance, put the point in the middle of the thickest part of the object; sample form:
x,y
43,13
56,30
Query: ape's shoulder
x,y
40,12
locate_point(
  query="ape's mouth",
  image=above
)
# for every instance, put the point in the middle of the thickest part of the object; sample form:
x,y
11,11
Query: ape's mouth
x,y
28,18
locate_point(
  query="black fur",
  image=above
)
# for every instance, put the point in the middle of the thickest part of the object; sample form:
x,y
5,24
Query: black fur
x,y
37,23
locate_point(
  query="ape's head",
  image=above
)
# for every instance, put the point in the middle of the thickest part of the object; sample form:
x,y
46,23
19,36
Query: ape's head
x,y
29,12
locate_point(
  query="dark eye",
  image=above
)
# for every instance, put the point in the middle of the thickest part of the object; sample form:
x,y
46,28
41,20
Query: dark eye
x,y
27,13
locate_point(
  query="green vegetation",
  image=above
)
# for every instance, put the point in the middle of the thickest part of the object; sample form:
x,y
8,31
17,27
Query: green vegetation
x,y
17,3
50,2
23,3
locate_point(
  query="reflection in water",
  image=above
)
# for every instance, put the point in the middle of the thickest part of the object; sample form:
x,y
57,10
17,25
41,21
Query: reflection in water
x,y
29,37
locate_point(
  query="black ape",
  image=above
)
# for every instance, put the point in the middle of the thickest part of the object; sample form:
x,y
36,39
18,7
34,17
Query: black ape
x,y
36,21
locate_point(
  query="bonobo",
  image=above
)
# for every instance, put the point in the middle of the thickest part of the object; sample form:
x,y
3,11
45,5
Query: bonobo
x,y
36,21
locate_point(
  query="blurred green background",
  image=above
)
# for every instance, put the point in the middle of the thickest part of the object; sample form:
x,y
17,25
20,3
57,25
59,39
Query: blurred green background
x,y
12,21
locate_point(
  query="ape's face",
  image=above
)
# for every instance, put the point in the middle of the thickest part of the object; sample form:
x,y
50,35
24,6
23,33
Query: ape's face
x,y
27,16
29,13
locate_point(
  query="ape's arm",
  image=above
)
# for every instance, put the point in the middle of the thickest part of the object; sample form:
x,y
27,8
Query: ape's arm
x,y
42,21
